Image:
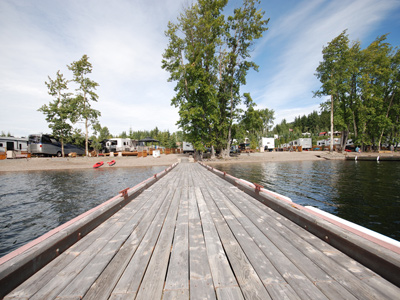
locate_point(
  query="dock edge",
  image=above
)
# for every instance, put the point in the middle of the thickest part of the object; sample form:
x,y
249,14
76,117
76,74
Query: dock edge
x,y
23,262
362,247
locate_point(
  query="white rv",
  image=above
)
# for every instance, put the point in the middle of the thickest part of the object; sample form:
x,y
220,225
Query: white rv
x,y
267,144
187,147
13,146
305,143
119,145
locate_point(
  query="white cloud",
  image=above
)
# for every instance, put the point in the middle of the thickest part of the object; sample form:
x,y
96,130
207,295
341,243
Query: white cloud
x,y
124,41
297,40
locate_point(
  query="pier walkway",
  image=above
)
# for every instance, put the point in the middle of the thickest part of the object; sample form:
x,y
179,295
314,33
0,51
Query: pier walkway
x,y
194,235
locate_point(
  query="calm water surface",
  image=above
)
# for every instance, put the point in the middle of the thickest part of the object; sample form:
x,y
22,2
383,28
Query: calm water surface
x,y
367,193
32,203
363,192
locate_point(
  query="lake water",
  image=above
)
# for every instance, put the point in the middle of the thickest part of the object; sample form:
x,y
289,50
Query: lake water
x,y
363,192
32,203
367,193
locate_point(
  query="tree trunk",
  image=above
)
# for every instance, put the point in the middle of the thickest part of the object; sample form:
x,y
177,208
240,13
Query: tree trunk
x,y
212,152
345,137
87,138
387,116
62,147
331,145
198,155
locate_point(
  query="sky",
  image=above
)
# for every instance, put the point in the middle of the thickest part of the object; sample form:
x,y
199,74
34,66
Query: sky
x,y
125,40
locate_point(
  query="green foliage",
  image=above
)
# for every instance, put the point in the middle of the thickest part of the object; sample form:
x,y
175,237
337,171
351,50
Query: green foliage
x,y
364,86
84,94
59,112
100,134
5,134
208,58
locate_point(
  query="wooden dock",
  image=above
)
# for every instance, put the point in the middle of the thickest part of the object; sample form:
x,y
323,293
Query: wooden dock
x,y
193,235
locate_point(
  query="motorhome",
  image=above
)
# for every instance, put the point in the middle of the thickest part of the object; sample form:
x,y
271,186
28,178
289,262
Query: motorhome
x,y
187,147
267,144
12,147
44,145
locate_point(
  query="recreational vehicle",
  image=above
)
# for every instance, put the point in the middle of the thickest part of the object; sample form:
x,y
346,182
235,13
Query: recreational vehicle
x,y
43,144
305,143
119,145
267,144
12,147
187,147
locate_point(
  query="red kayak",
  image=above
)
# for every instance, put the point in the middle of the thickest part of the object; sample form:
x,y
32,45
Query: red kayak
x,y
111,163
98,165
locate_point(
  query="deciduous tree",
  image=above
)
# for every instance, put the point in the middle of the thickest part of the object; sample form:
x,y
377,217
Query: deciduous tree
x,y
59,111
84,95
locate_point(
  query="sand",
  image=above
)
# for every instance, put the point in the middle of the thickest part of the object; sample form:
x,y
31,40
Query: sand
x,y
48,163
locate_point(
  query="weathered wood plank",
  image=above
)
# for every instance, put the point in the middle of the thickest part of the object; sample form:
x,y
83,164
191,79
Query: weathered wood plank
x,y
106,282
178,270
201,284
360,271
222,274
153,281
131,278
312,265
43,276
308,268
249,238
248,279
193,235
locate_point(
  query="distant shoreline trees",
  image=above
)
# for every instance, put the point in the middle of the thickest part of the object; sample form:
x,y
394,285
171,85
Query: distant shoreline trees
x,y
364,89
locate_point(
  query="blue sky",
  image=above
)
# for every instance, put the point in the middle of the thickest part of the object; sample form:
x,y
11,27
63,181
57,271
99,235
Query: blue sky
x,y
125,41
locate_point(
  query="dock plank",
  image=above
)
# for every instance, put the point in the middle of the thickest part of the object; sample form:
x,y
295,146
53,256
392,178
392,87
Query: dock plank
x,y
193,235
201,284
178,271
153,281
223,277
106,282
312,264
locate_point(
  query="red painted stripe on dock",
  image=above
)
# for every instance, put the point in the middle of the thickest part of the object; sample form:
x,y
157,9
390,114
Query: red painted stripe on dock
x,y
50,233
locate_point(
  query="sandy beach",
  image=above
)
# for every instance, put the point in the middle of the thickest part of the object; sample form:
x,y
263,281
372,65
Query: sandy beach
x,y
49,163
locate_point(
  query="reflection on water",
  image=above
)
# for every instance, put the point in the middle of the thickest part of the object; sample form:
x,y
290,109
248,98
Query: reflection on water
x,y
32,203
366,193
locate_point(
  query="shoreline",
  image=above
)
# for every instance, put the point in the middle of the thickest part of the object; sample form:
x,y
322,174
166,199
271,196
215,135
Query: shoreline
x,y
68,163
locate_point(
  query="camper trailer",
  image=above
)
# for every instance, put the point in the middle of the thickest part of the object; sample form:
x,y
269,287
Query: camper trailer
x,y
187,147
119,145
12,147
305,143
267,144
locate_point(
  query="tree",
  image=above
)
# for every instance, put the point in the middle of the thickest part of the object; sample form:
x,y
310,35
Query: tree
x,y
332,72
6,134
241,30
190,58
100,134
268,117
208,57
59,111
379,87
85,94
